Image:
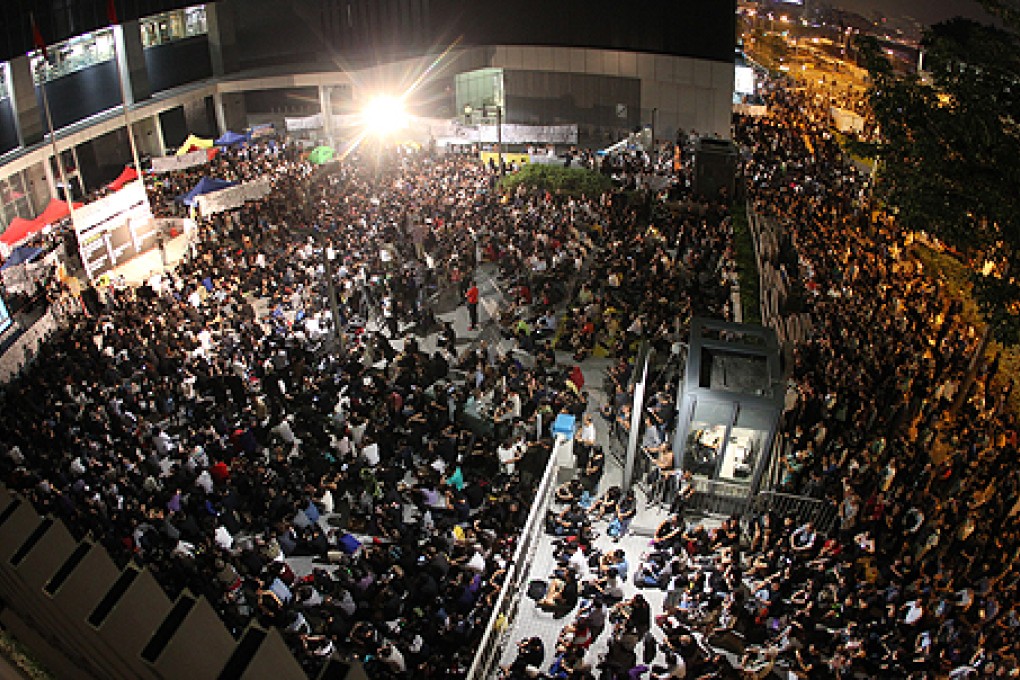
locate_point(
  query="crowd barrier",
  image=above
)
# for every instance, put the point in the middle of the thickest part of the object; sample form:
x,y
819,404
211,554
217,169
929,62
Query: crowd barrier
x,y
83,617
802,508
505,610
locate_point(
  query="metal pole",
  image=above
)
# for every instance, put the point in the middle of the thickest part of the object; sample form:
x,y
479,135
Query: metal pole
x,y
499,138
636,413
655,111
334,308
56,152
118,36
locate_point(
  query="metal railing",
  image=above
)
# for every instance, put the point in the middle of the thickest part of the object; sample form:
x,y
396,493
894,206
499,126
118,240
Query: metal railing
x,y
503,612
803,509
714,497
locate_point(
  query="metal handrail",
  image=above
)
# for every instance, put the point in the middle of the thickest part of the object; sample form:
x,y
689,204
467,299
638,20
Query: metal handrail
x,y
518,570
802,508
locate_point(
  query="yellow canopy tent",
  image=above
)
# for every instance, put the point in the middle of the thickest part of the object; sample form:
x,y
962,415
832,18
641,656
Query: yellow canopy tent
x,y
192,143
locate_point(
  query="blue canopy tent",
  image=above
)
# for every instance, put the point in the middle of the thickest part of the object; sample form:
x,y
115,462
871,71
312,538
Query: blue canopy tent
x,y
230,138
206,185
21,255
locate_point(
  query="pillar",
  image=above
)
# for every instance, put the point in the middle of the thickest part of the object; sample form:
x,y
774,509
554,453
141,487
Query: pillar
x,y
28,113
131,62
231,113
160,140
220,24
326,109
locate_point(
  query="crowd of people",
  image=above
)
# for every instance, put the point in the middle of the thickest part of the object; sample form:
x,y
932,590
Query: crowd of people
x,y
915,578
201,426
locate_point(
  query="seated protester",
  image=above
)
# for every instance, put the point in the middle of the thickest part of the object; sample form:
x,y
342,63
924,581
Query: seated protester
x,y
616,561
802,540
570,553
669,534
674,668
606,504
566,523
569,491
529,659
562,594
574,636
593,615
656,571
607,588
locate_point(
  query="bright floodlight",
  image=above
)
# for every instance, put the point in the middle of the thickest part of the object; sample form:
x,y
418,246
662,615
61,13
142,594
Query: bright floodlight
x,y
385,115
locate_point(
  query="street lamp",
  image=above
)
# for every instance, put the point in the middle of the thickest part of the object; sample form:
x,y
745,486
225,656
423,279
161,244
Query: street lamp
x,y
384,115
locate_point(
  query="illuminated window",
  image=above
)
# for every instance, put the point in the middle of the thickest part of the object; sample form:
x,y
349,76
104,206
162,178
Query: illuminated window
x,y
160,29
14,200
73,54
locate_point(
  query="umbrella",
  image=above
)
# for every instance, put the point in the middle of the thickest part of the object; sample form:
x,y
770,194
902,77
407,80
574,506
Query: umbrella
x,y
320,155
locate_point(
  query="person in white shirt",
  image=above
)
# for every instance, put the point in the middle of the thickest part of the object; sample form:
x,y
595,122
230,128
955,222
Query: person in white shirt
x,y
370,452
509,454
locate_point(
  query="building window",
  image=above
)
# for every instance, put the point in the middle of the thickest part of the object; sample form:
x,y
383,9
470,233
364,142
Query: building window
x,y
160,29
73,54
14,200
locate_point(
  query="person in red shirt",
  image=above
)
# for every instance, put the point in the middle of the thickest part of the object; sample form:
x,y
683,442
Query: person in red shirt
x,y
472,304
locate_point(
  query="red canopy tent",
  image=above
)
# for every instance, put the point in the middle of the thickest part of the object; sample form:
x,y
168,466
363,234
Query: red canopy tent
x,y
55,211
128,174
20,228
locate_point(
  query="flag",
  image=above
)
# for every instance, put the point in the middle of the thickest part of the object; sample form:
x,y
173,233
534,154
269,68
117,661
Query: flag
x,y
111,12
37,38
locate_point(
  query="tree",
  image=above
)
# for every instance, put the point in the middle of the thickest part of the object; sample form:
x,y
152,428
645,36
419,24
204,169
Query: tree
x,y
950,153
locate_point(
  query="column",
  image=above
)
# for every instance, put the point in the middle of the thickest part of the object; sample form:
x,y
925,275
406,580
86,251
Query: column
x,y
220,23
326,109
131,61
51,181
27,110
160,141
221,116
231,113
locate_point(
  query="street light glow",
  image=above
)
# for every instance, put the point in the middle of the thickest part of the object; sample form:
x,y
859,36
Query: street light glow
x,y
385,115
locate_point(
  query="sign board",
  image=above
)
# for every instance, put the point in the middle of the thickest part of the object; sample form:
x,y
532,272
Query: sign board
x,y
192,159
114,229
233,197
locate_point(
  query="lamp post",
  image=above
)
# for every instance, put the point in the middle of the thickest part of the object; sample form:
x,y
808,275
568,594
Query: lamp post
x,y
499,138
655,112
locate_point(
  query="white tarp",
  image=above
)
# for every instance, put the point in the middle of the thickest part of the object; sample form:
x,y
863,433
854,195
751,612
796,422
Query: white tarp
x,y
451,131
191,159
313,122
511,134
847,121
756,110
232,197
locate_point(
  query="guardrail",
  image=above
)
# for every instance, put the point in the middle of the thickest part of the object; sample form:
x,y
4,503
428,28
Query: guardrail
x,y
802,508
505,609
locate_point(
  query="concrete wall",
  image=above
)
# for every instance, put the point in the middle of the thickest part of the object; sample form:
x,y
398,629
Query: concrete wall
x,y
688,93
85,618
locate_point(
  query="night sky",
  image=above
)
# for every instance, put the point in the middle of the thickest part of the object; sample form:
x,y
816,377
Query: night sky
x,y
925,11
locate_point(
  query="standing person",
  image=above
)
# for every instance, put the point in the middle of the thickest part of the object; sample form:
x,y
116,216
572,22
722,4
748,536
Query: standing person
x,y
472,304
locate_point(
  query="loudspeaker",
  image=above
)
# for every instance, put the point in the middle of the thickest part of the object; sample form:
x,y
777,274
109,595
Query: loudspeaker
x,y
715,167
